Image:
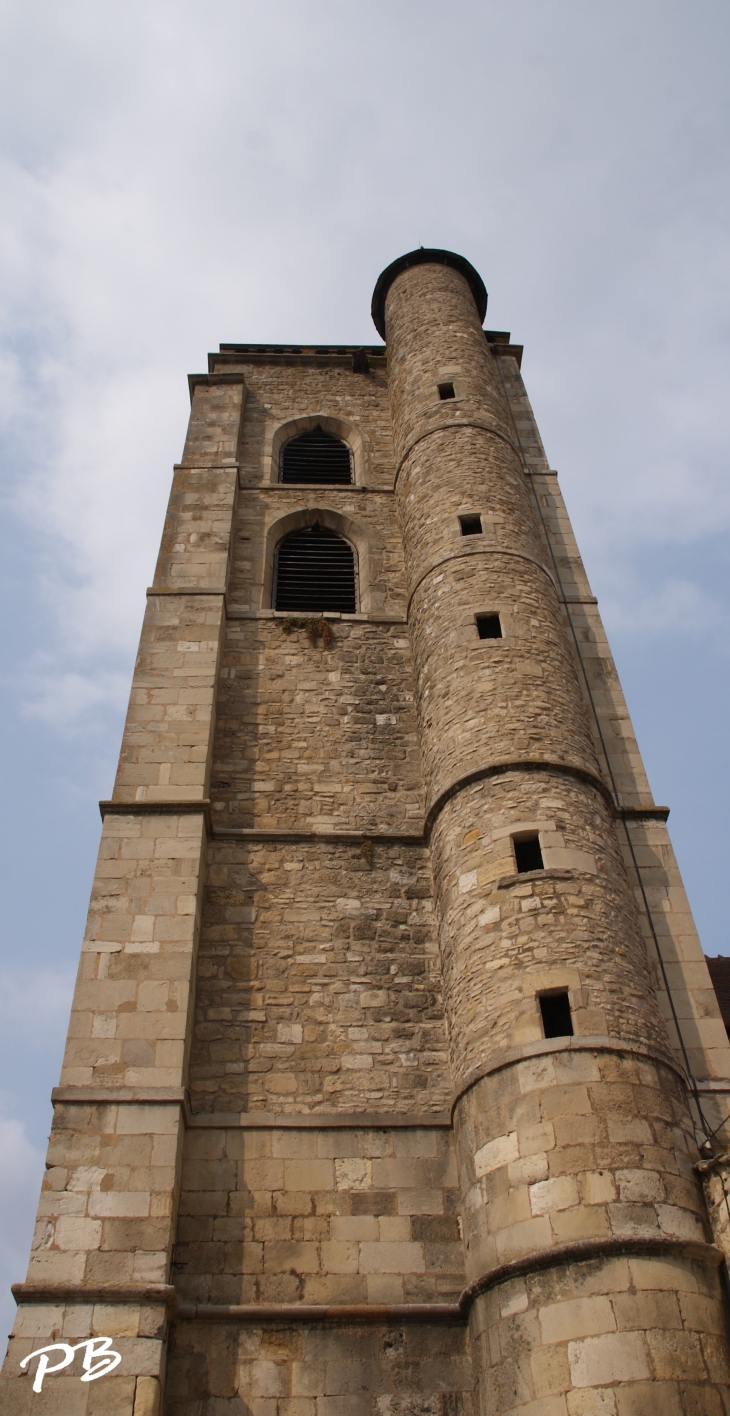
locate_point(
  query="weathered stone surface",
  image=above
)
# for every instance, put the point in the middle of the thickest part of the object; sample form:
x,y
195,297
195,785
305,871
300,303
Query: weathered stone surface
x,y
318,982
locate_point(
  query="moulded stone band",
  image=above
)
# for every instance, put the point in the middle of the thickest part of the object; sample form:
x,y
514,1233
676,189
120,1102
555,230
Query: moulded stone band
x,y
87,1293
498,769
360,1313
449,427
426,255
185,807
478,551
190,591
344,838
251,1120
583,1251
344,1313
590,1042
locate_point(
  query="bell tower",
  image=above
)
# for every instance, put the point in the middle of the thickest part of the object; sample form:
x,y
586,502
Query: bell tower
x,y
395,1079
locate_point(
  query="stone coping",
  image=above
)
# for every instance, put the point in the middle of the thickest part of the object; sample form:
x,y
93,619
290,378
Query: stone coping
x,y
426,255
643,813
223,376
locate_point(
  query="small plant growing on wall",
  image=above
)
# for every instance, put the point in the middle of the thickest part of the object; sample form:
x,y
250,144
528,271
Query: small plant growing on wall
x,y
316,629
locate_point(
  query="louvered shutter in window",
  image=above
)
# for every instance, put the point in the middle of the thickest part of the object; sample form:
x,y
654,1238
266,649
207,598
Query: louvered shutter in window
x,y
314,571
316,457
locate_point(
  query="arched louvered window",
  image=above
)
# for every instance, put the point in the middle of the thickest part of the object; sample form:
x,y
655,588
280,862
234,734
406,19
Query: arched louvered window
x,y
316,456
314,570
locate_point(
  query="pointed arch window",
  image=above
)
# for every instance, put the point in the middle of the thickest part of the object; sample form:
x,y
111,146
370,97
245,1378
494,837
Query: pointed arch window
x,y
316,456
314,571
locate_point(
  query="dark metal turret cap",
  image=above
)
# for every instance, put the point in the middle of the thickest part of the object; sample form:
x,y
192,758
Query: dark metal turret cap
x,y
426,256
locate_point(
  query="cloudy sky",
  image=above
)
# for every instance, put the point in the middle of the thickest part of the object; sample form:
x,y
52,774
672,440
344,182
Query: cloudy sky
x,y
176,175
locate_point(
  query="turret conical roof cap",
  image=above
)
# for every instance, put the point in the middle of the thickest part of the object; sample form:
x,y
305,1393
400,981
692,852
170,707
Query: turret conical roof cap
x,y
426,255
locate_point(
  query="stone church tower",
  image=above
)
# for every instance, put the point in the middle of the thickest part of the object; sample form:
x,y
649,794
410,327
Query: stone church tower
x,y
393,1055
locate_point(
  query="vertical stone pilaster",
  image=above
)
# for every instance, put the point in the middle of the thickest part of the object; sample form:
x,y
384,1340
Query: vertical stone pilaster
x,y
100,1262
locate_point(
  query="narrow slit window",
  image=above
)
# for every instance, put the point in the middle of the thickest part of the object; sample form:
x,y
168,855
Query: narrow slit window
x,y
528,855
446,390
470,525
557,1020
489,626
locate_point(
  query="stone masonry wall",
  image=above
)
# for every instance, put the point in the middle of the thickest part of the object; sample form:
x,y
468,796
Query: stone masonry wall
x,y
346,1370
277,394
504,937
366,518
262,1118
703,1031
320,1216
483,701
569,1148
318,981
316,738
573,1146
626,1337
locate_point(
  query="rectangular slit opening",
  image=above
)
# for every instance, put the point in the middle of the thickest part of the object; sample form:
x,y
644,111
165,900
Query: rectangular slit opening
x,y
489,626
470,525
528,855
557,1019
446,390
